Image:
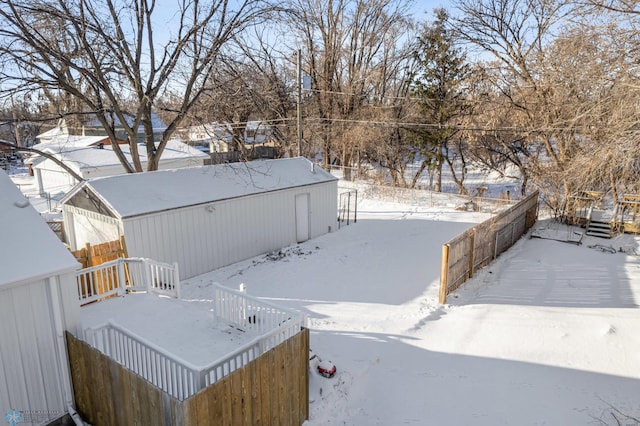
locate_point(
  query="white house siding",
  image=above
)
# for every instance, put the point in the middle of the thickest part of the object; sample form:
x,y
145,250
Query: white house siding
x,y
54,179
89,227
205,237
31,353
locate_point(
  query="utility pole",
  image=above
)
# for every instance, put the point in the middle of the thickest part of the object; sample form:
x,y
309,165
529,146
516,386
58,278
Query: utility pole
x,y
299,84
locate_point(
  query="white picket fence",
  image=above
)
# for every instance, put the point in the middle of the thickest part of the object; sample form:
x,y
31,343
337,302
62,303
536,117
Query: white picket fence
x,y
118,276
178,377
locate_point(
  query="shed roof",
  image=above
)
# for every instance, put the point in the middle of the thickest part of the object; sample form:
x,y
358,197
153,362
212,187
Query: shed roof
x,y
143,193
30,250
52,133
91,157
65,143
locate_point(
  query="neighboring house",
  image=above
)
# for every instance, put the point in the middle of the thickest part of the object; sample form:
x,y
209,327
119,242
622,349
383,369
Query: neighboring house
x,y
218,137
93,156
206,217
212,137
59,131
258,133
93,127
38,302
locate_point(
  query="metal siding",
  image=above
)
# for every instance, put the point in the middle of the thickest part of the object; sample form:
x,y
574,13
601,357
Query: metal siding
x,y
89,227
161,233
193,222
70,306
191,241
56,181
222,238
30,372
238,229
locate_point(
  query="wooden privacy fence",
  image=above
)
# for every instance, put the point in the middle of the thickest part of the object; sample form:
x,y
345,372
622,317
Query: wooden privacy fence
x,y
119,276
271,389
97,254
478,246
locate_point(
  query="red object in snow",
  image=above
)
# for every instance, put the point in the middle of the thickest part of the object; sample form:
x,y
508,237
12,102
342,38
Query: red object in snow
x,y
326,369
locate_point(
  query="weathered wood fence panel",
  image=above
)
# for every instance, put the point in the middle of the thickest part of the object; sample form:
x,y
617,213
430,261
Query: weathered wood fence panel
x,y
273,389
94,255
97,254
480,245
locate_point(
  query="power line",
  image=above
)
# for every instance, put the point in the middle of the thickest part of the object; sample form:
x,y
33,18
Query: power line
x,y
435,126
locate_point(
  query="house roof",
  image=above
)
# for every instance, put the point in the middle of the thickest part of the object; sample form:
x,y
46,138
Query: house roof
x,y
171,189
52,133
90,157
65,143
30,250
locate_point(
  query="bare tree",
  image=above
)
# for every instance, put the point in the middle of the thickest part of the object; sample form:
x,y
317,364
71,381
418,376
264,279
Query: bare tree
x,y
517,33
109,55
249,83
348,57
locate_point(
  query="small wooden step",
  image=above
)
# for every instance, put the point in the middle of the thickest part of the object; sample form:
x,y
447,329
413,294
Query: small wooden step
x,y
599,229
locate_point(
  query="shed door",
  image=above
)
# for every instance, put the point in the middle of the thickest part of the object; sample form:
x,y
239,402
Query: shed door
x,y
302,217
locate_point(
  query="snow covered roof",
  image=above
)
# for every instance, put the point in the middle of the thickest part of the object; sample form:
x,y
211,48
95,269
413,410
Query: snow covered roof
x,y
170,189
30,250
52,133
91,157
65,143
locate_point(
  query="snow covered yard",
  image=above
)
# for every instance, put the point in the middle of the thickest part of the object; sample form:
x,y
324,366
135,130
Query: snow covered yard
x,y
545,335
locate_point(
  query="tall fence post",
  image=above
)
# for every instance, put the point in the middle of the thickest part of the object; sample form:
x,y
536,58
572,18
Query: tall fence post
x,y
472,244
444,274
89,257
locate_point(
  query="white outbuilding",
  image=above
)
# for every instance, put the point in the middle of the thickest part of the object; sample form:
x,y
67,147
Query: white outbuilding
x,y
93,156
38,302
205,217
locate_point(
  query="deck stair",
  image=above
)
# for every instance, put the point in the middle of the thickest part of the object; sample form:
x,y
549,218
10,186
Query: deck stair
x,y
599,225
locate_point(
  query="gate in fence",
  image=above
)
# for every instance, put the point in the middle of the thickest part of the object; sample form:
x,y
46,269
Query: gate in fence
x,y
347,207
